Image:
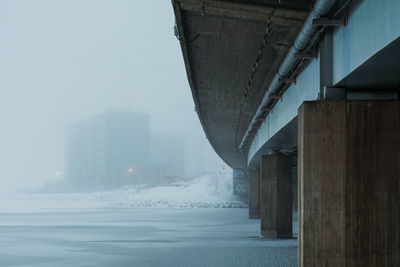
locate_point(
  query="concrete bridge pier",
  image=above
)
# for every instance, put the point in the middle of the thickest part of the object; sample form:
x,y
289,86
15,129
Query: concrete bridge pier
x,y
240,184
349,183
254,193
276,195
294,182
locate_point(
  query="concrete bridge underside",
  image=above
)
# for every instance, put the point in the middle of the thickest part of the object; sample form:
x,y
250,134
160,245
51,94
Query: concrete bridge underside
x,y
221,42
337,119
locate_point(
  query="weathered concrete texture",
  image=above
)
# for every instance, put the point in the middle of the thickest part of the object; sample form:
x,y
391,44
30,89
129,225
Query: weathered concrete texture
x,y
349,183
294,182
254,193
220,43
276,195
240,185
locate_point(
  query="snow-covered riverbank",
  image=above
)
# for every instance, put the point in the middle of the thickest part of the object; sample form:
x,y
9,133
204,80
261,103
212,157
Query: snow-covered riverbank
x,y
208,190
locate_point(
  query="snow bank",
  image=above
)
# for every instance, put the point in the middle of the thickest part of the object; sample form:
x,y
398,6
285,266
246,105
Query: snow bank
x,y
208,190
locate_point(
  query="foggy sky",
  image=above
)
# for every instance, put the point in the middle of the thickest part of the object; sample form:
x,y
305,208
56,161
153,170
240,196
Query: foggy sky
x,y
64,60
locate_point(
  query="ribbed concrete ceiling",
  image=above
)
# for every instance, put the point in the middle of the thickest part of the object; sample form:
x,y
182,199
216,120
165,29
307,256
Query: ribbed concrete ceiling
x,y
220,42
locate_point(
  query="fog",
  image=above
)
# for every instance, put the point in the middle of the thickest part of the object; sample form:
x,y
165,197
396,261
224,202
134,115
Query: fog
x,y
64,61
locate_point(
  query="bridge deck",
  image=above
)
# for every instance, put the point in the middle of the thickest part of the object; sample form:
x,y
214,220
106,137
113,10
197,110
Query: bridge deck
x,y
221,43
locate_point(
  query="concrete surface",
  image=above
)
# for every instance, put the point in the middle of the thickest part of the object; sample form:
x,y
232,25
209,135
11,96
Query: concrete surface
x,y
276,195
254,193
221,41
349,158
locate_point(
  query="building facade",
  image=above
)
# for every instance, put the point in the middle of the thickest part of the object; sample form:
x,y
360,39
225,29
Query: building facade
x,y
108,150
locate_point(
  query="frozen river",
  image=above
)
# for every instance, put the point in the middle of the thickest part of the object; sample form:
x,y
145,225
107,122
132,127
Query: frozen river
x,y
115,236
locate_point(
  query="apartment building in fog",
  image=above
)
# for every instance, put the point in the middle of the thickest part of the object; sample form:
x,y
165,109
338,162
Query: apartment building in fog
x,y
108,150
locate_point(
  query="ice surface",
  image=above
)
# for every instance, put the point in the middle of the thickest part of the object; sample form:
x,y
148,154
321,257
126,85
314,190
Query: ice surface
x,y
131,236
117,228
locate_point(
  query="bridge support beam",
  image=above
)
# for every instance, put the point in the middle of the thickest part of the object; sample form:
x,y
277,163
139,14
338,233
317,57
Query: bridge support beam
x,y
240,184
276,196
254,193
294,182
349,183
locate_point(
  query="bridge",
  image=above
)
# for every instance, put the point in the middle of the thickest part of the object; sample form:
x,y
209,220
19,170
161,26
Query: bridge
x,y
278,82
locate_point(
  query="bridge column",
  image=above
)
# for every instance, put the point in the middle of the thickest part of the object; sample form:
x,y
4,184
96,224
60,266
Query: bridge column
x,y
276,195
240,184
254,193
349,172
294,182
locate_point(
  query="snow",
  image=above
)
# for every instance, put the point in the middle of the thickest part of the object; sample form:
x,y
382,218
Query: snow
x,y
208,190
116,228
